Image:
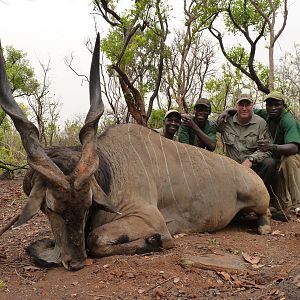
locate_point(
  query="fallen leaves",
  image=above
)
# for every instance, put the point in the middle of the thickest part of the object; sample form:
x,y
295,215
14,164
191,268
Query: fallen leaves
x,y
179,235
277,232
253,260
238,282
225,276
31,268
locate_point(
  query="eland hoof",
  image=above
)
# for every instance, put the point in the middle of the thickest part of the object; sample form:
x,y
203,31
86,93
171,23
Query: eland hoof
x,y
264,229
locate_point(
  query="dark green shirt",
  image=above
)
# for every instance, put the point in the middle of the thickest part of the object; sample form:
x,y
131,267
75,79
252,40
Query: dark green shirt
x,y
288,129
187,135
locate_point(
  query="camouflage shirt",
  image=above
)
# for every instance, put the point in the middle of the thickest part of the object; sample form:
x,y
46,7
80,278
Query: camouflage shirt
x,y
241,139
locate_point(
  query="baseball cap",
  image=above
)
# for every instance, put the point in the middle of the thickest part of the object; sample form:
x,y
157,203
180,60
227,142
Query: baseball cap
x,y
244,97
275,95
203,101
172,111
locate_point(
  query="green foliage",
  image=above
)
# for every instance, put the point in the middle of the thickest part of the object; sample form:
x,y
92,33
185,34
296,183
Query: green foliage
x,y
157,118
288,78
239,55
243,13
249,20
70,134
223,90
105,122
112,44
245,16
219,87
20,74
205,10
263,72
134,40
21,77
11,148
2,117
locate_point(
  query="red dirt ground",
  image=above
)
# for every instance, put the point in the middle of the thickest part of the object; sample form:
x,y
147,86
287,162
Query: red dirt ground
x,y
272,264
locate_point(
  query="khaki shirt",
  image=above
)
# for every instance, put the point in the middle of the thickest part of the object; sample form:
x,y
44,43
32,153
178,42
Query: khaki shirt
x,y
241,139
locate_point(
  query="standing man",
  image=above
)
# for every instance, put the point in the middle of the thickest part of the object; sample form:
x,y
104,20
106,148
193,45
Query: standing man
x,y
241,133
172,121
285,132
198,130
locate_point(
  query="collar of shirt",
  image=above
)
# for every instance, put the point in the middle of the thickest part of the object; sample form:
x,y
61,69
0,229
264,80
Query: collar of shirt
x,y
252,120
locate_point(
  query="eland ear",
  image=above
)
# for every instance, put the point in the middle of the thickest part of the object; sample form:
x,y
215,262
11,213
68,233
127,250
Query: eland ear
x,y
102,199
33,205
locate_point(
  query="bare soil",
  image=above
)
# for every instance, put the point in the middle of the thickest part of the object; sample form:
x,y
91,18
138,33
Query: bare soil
x,y
272,265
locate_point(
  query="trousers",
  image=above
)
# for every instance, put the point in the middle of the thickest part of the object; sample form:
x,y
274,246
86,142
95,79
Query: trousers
x,y
288,181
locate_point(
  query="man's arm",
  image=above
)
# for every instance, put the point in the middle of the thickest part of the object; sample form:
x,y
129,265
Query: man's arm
x,y
183,134
202,136
225,114
285,149
291,139
259,155
261,112
205,139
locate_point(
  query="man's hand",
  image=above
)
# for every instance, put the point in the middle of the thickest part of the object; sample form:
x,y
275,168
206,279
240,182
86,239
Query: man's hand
x,y
223,117
188,120
247,163
265,145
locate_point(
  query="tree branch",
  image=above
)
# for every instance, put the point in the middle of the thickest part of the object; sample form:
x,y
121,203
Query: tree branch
x,y
163,36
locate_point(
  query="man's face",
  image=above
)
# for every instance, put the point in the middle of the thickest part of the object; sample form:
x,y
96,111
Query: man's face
x,y
244,109
172,123
274,108
201,113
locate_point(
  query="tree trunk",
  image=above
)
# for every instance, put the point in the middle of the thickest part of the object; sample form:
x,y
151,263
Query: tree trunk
x,y
271,61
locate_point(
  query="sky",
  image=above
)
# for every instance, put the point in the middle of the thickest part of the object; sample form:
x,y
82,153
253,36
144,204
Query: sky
x,y
56,29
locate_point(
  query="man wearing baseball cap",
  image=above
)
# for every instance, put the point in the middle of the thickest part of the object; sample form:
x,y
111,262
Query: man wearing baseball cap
x,y
172,121
241,133
285,147
198,130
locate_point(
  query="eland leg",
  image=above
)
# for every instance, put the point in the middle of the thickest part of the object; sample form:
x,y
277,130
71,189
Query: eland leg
x,y
264,222
129,235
